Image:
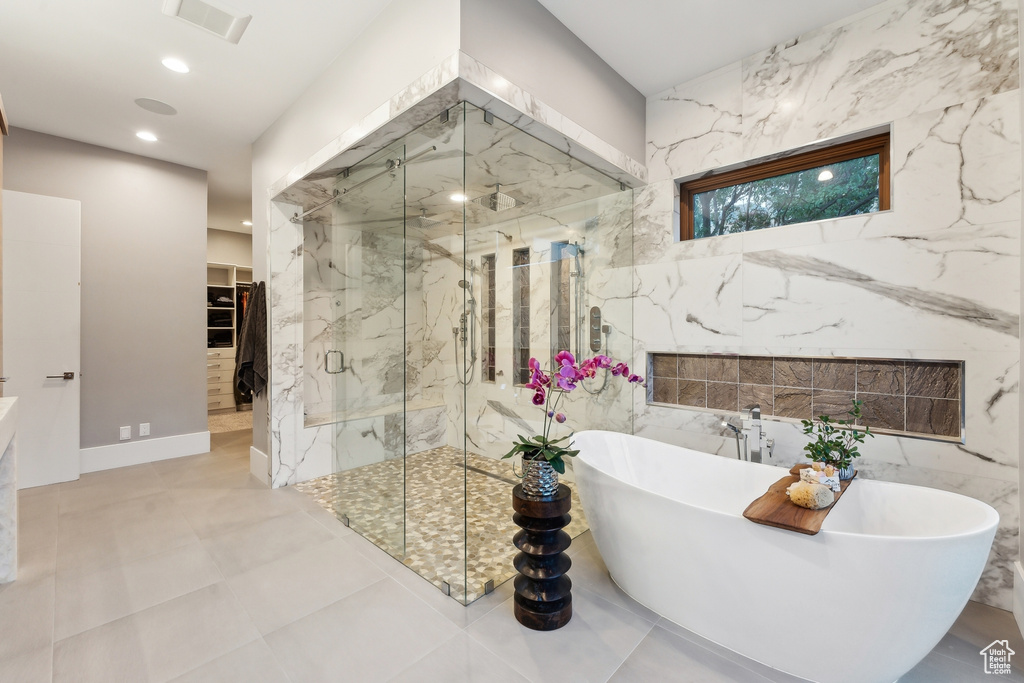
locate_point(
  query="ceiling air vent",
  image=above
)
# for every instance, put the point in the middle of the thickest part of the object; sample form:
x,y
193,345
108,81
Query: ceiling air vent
x,y
216,18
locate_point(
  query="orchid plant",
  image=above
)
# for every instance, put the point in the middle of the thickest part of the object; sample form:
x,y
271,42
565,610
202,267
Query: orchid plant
x,y
548,391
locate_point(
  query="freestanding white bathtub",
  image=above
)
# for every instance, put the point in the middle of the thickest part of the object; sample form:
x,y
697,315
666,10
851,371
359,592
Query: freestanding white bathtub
x,y
880,584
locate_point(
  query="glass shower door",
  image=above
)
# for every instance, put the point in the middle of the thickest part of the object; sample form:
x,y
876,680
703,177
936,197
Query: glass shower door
x,y
365,360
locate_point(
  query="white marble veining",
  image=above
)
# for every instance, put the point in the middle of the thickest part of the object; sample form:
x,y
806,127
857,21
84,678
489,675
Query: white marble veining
x,y
901,60
935,277
8,490
698,121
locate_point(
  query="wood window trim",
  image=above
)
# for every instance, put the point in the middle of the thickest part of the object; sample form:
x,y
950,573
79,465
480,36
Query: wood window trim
x,y
855,149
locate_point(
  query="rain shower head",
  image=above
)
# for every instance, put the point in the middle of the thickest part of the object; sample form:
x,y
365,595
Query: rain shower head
x,y
423,221
498,201
464,284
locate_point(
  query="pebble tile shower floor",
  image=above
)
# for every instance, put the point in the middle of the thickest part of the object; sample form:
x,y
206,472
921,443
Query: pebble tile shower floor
x,y
437,514
189,570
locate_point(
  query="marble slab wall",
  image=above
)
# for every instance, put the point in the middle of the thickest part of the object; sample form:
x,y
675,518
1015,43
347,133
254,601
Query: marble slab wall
x,y
934,278
498,411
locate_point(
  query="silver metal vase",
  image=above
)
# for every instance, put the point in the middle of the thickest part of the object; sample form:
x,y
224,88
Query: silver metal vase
x,y
539,478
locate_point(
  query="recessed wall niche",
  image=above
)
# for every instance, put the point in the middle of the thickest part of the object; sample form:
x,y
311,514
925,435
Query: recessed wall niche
x,y
901,396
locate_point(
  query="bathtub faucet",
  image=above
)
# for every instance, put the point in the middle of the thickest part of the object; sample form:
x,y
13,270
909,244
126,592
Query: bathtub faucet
x,y
754,438
738,435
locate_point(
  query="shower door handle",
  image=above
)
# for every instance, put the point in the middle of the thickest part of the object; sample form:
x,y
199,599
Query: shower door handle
x,y
341,363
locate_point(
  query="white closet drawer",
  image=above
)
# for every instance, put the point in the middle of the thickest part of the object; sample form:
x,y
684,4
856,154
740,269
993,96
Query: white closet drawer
x,y
219,376
219,389
226,352
220,364
221,401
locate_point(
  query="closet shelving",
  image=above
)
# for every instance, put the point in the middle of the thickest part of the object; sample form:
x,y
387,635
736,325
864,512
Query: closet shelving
x,y
226,285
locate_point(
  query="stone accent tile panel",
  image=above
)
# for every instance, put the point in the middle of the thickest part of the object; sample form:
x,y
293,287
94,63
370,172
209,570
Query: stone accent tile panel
x,y
723,396
693,367
693,393
723,369
793,402
764,396
793,372
666,390
664,366
933,416
756,370
933,380
835,404
835,375
884,377
882,412
904,396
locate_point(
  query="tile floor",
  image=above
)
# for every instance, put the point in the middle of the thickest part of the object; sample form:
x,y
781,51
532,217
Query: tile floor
x,y
189,570
440,533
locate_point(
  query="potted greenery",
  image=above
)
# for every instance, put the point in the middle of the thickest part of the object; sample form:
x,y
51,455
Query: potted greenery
x,y
544,457
835,441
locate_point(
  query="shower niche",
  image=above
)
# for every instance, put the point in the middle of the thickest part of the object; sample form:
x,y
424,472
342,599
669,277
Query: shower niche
x,y
433,270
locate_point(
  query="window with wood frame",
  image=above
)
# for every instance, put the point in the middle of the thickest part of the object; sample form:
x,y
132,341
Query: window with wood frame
x,y
841,180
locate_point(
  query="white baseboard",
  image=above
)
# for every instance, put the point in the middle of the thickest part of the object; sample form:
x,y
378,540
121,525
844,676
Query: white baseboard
x,y
1018,595
259,465
138,452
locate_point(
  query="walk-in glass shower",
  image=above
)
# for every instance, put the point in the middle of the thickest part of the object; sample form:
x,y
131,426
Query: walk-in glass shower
x,y
443,264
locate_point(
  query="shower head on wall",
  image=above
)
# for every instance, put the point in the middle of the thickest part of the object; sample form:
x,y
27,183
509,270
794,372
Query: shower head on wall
x,y
465,285
498,201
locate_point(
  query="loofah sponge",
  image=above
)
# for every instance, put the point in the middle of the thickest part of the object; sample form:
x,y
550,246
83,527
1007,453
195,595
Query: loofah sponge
x,y
812,496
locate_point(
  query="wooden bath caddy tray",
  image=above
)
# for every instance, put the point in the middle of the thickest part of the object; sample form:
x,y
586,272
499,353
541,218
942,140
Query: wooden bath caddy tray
x,y
775,509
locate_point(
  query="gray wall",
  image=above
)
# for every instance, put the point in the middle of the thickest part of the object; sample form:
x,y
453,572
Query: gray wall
x,y
143,280
527,45
224,246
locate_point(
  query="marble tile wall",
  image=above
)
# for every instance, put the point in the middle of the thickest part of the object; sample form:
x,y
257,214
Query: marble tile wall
x,y
935,277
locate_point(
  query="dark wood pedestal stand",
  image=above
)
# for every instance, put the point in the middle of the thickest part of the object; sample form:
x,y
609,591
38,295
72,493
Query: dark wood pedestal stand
x,y
543,599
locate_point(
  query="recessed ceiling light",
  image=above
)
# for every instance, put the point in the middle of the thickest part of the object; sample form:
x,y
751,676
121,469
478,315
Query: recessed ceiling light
x,y
825,175
175,64
249,223
146,135
457,197
156,106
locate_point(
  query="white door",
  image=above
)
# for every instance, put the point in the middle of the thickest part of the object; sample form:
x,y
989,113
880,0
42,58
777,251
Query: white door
x,y
42,332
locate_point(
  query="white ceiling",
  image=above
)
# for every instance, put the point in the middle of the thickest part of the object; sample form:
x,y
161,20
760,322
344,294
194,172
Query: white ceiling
x,y
74,68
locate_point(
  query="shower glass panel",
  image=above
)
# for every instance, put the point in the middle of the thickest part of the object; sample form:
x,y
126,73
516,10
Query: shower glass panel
x,y
446,262
560,233
364,335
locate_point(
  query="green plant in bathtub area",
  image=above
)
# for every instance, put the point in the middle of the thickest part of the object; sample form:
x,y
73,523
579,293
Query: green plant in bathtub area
x,y
549,388
836,441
